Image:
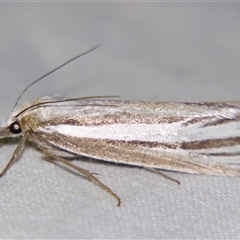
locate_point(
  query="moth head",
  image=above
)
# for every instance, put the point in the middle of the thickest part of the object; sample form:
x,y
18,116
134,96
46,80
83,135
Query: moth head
x,y
12,126
12,130
15,127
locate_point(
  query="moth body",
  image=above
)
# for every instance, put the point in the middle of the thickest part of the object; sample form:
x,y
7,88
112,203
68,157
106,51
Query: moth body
x,y
137,133
185,137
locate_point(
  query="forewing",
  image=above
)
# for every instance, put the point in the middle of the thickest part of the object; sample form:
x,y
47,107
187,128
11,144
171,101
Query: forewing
x,y
197,137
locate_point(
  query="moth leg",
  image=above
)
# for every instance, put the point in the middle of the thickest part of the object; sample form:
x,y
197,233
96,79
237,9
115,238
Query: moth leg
x,y
85,173
15,155
159,172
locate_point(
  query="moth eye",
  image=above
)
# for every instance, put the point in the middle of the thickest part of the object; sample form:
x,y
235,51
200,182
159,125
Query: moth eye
x,y
15,127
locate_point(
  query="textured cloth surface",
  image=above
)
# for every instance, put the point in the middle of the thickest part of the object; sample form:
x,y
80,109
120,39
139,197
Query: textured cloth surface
x,y
149,51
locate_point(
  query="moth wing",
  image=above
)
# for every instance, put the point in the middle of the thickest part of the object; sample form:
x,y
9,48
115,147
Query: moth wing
x,y
175,123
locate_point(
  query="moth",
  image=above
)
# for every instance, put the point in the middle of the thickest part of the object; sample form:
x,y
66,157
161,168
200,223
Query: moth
x,y
199,138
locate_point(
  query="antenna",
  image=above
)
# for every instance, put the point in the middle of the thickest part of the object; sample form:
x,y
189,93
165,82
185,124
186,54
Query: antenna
x,y
54,70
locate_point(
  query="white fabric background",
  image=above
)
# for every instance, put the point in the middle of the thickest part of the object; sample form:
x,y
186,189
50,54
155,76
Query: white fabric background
x,y
149,51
